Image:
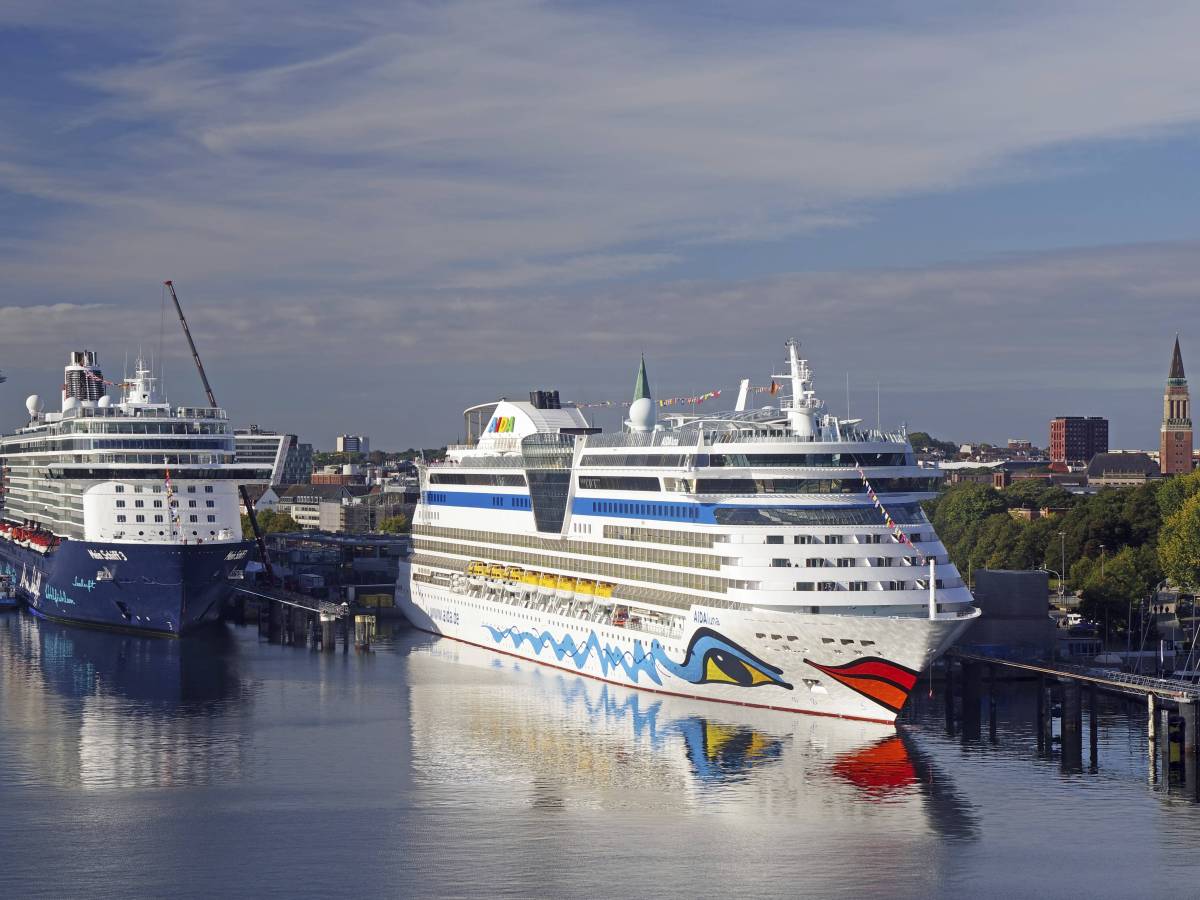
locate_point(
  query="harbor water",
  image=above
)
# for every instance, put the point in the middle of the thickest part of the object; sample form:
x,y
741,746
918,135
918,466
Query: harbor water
x,y
227,766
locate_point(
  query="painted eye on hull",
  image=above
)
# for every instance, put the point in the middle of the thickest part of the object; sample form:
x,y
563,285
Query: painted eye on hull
x,y
723,667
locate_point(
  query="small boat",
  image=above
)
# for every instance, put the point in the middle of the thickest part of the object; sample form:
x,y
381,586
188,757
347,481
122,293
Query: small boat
x,y
8,597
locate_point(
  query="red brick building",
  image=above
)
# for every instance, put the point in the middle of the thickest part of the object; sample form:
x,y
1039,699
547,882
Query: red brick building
x,y
1175,439
1076,439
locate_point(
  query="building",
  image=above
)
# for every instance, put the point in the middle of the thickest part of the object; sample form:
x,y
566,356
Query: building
x,y
1016,615
1120,469
1020,444
303,502
343,509
1175,439
291,462
1076,439
353,443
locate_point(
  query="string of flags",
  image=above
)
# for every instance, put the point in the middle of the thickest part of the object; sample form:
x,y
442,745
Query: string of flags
x,y
772,388
172,505
94,377
895,529
664,401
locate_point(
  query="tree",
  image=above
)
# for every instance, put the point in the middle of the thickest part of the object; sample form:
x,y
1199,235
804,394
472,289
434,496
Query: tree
x,y
269,521
923,443
1179,545
397,524
1174,492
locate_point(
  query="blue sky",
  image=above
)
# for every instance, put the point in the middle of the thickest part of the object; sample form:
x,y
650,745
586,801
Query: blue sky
x,y
379,213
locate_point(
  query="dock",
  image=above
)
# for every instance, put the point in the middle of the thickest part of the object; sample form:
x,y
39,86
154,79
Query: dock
x,y
289,617
1172,708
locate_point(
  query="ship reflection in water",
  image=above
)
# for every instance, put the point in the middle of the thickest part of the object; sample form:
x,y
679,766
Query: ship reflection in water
x,y
100,709
571,741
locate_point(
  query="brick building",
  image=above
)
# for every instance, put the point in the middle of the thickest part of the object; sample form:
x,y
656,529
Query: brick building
x,y
1076,439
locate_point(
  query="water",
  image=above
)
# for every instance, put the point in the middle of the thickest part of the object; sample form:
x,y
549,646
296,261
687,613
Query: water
x,y
224,766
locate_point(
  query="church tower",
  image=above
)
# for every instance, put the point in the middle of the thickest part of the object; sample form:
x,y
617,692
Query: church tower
x,y
1175,446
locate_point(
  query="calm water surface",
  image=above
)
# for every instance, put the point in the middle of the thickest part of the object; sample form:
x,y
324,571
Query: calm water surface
x,y
225,766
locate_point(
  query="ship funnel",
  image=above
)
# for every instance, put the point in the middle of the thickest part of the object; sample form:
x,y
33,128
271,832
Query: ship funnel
x,y
82,378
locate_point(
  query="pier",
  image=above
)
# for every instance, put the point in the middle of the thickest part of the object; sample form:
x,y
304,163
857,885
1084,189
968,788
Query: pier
x,y
1172,709
289,617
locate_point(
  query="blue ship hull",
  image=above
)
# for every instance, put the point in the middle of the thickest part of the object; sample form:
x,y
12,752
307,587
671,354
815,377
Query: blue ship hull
x,y
165,589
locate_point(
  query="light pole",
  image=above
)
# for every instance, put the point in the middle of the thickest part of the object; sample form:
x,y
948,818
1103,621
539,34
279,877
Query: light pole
x,y
1062,578
1102,561
1059,576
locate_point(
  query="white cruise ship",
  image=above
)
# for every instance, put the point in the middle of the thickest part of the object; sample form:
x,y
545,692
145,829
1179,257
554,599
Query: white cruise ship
x,y
774,557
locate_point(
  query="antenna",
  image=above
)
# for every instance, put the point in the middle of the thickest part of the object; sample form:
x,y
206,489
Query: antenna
x,y
847,394
878,417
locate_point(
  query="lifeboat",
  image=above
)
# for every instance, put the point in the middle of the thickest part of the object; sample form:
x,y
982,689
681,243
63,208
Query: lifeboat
x,y
514,573
496,570
476,568
531,578
566,583
585,587
548,581
604,590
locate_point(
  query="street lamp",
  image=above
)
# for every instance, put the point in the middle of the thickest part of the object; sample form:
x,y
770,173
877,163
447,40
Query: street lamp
x,y
1062,578
1058,575
1102,561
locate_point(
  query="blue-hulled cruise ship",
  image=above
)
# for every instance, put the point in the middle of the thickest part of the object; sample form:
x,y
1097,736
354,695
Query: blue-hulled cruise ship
x,y
122,513
773,557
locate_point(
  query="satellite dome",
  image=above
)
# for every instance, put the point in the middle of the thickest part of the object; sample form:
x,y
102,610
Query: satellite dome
x,y
70,403
641,414
33,404
104,402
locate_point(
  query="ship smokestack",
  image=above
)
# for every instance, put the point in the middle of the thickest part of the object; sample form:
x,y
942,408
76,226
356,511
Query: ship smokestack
x,y
82,378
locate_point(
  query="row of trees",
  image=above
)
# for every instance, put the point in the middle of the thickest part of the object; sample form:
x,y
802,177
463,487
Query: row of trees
x,y
1118,544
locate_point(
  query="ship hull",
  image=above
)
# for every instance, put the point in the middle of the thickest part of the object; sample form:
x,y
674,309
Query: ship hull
x,y
844,666
161,589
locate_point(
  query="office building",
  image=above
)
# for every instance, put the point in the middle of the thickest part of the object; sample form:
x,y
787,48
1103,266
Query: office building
x,y
1076,439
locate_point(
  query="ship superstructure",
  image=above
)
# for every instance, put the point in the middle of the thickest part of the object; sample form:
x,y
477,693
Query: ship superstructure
x,y
773,557
122,512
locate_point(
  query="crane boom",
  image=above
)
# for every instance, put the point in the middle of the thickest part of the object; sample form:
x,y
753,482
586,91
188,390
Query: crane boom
x,y
187,333
212,401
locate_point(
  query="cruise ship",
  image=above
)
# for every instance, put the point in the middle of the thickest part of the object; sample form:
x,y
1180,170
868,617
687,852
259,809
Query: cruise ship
x,y
775,557
122,513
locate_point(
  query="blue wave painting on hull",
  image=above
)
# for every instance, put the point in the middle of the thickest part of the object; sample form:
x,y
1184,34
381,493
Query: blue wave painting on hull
x,y
711,658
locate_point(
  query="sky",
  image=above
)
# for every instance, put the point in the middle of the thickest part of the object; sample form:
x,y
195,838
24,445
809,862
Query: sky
x,y
379,213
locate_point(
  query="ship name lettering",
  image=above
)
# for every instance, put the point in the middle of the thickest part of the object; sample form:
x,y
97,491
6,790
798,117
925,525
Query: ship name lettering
x,y
235,554
113,555
703,618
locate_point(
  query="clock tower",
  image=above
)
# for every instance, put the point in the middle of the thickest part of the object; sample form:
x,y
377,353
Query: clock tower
x,y
1175,444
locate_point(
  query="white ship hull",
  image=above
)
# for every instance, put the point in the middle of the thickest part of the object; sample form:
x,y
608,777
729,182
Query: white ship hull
x,y
851,667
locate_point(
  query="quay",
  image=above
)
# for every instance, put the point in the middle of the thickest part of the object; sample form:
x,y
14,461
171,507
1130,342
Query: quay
x,y
1172,709
289,617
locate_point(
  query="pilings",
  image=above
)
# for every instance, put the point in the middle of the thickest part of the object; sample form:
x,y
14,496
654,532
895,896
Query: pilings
x,y
1172,711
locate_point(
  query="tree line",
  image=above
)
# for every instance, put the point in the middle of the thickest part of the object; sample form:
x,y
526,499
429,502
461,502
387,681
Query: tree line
x,y
1118,543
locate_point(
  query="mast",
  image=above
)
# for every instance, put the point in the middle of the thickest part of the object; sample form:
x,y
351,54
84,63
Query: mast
x,y
212,401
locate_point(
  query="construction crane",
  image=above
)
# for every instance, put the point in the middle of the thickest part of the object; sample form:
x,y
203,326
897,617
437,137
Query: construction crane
x,y
212,401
